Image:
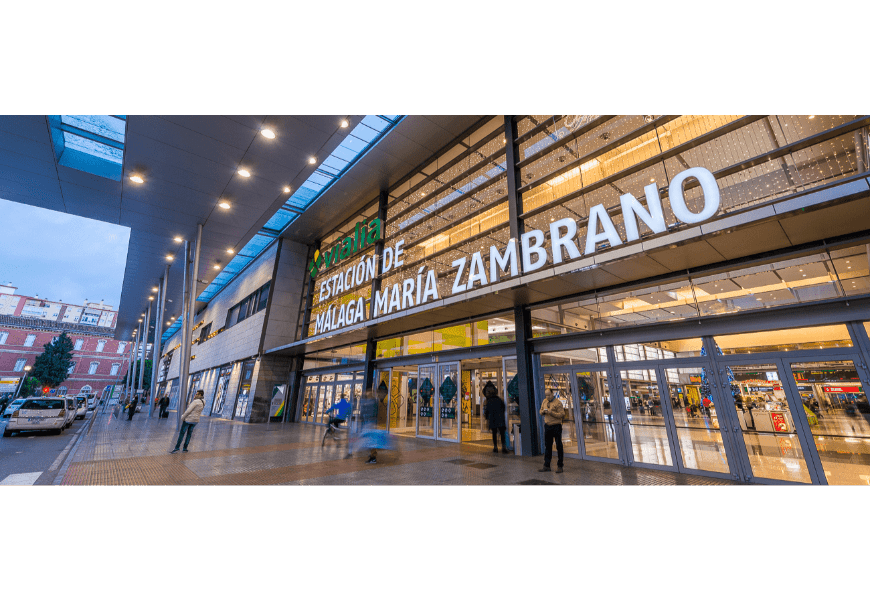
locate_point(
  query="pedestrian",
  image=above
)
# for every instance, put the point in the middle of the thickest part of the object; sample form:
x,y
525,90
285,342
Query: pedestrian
x,y
494,413
553,412
369,436
189,419
164,406
132,408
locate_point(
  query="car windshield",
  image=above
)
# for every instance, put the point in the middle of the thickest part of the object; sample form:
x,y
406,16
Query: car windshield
x,y
42,404
82,402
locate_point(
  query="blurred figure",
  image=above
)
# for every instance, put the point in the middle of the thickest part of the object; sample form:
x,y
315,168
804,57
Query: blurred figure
x,y
132,408
341,408
494,413
164,407
370,437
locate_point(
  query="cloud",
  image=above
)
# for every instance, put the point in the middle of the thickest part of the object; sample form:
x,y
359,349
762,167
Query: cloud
x,y
60,256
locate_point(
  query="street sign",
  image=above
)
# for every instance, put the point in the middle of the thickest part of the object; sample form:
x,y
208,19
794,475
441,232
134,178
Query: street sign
x,y
9,384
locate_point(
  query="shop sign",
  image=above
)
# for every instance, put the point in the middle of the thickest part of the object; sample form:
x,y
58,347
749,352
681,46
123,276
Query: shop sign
x,y
843,389
531,252
779,422
9,384
364,235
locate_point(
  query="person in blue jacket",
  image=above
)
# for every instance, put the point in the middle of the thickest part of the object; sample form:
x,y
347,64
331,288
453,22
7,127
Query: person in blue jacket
x,y
341,408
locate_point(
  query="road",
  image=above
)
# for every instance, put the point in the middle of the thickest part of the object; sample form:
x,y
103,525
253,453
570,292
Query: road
x,y
35,458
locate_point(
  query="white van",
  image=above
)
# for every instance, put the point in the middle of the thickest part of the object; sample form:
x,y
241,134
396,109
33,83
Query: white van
x,y
40,413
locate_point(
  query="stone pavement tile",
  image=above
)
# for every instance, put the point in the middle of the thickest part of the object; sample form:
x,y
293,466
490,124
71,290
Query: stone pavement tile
x,y
117,452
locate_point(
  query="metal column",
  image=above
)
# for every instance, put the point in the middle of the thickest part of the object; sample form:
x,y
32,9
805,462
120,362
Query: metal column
x,y
134,363
189,300
158,334
184,366
144,349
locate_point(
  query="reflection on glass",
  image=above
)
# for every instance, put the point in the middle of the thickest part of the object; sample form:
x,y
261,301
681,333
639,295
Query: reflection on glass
x,y
698,436
511,396
308,402
649,437
325,402
382,392
400,402
596,414
836,408
766,421
447,395
427,378
784,340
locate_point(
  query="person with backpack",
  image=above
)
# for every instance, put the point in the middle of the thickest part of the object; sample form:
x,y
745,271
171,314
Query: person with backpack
x,y
189,419
164,407
131,408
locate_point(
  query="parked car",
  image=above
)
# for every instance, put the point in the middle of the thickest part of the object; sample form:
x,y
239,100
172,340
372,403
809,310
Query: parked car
x,y
13,406
81,407
70,411
92,401
39,413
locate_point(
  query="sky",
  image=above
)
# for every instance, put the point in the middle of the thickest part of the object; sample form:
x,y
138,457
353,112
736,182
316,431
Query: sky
x,y
61,257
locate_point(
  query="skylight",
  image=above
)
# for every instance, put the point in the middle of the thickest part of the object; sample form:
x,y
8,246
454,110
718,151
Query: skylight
x,y
360,140
90,143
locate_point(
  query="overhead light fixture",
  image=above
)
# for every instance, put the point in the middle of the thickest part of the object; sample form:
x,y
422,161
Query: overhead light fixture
x,y
812,116
312,160
143,314
268,133
344,123
168,322
244,173
230,251
154,289
151,297
217,266
178,238
224,204
140,320
137,179
286,189
169,257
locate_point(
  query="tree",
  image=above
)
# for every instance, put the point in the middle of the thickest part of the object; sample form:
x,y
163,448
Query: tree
x,y
30,387
146,380
52,366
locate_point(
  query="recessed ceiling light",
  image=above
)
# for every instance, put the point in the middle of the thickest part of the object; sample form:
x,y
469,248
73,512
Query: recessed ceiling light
x,y
244,173
140,320
230,250
312,160
167,322
224,204
137,179
344,123
217,266
151,297
268,133
286,189
812,116
169,257
178,238
154,289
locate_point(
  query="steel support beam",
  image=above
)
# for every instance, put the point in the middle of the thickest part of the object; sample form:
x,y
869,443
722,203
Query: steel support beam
x,y
184,366
144,348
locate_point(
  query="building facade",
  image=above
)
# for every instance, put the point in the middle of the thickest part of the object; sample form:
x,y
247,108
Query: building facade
x,y
99,361
694,289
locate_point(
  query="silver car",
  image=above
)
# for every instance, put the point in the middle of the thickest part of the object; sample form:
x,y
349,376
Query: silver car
x,y
39,413
13,406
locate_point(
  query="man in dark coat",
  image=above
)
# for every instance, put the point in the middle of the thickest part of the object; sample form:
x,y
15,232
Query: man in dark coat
x,y
164,406
132,410
494,413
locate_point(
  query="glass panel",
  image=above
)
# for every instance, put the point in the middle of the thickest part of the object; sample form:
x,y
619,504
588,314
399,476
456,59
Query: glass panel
x,y
511,395
382,392
448,394
308,402
766,421
649,437
324,401
573,357
836,407
699,439
558,384
783,340
596,414
426,393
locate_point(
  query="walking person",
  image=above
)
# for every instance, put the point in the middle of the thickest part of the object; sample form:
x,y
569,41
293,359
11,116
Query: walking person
x,y
189,420
553,412
132,408
494,413
164,406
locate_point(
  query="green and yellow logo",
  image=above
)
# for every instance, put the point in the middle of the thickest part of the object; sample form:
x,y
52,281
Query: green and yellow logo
x,y
365,234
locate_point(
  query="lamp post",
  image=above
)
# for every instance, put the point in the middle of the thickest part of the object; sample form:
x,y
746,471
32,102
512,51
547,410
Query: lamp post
x,y
20,383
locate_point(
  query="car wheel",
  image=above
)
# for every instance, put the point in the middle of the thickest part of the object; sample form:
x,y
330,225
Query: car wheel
x,y
6,433
58,431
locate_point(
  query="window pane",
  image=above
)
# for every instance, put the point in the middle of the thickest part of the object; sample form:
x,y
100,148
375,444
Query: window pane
x,y
805,338
649,438
596,414
264,297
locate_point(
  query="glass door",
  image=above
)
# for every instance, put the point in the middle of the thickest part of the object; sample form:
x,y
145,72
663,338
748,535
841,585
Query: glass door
x,y
647,418
768,423
598,421
511,395
833,402
697,425
447,406
427,377
559,384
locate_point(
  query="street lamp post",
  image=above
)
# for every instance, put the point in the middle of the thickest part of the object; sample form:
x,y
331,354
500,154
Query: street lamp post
x,y
20,383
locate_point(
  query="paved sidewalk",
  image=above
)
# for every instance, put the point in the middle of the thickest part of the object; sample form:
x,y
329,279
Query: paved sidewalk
x,y
120,452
